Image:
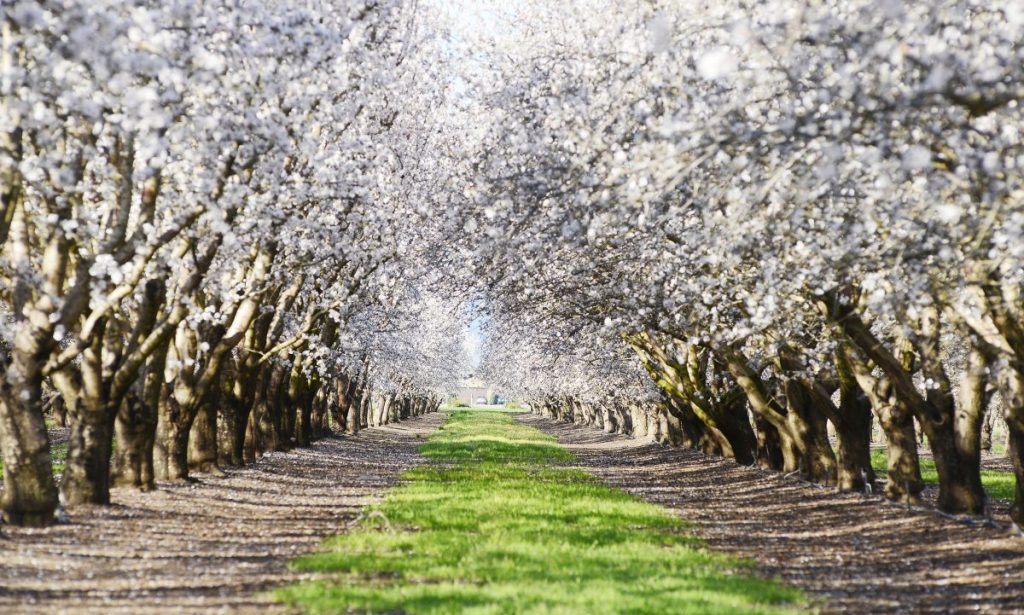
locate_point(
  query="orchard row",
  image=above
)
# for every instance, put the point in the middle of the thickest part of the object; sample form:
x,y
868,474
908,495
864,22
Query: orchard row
x,y
208,248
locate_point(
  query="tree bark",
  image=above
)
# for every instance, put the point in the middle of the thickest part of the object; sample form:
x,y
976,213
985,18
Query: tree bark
x,y
87,469
953,427
853,432
960,490
987,426
1011,385
135,424
903,473
638,416
135,431
717,424
300,404
30,494
170,450
794,449
232,419
769,446
804,412
202,439
284,420
92,412
353,411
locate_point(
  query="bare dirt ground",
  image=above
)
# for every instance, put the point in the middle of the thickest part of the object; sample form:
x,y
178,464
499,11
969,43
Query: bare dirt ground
x,y
206,547
855,553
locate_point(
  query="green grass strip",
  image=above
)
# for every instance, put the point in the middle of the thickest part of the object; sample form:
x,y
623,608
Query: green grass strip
x,y
997,484
496,526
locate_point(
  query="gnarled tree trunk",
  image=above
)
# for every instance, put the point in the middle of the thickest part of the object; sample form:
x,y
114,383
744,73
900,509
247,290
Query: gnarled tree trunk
x,y
30,494
202,439
170,449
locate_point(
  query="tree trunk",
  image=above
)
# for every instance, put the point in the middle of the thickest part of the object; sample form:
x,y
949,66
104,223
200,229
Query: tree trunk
x,y
252,448
960,489
1016,455
59,411
260,427
654,422
277,412
87,469
1011,386
661,427
232,419
170,448
793,447
135,430
735,425
86,477
135,427
674,430
953,426
608,419
717,424
30,494
281,412
300,404
625,419
903,474
853,432
986,432
383,407
853,455
903,469
352,414
336,408
321,413
807,423
236,402
366,408
769,446
202,439
638,414
391,414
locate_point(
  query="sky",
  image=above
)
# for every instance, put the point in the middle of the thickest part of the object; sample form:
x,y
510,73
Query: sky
x,y
470,19
472,341
474,17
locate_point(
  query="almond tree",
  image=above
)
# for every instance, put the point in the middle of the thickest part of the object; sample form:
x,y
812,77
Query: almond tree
x,y
785,203
189,209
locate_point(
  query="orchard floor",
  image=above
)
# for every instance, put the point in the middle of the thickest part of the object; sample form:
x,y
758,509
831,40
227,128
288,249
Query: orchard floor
x,y
210,546
854,553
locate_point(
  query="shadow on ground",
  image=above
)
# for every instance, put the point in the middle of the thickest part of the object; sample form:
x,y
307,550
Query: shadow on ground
x,y
858,553
207,547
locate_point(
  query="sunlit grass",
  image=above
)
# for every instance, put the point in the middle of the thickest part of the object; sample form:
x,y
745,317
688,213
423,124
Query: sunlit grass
x,y
997,484
496,526
58,455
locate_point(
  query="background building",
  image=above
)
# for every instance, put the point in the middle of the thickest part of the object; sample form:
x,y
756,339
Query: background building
x,y
474,391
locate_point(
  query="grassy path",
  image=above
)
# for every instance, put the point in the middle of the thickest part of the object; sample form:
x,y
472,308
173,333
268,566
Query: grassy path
x,y
497,524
